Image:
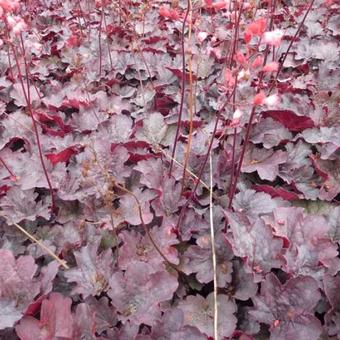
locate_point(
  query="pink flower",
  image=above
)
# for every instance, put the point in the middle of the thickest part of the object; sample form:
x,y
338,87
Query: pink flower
x,y
9,5
258,99
19,27
273,37
240,58
17,24
219,5
229,80
168,13
237,114
271,100
257,27
271,67
257,62
261,99
247,37
201,36
236,118
243,75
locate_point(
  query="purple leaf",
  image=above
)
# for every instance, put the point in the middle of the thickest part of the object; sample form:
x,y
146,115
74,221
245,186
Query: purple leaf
x,y
152,172
253,204
172,327
138,248
310,249
265,162
288,309
138,292
244,284
170,198
270,133
332,317
9,313
18,288
47,275
84,322
129,207
255,242
197,259
93,271
20,205
56,320
154,129
198,312
105,314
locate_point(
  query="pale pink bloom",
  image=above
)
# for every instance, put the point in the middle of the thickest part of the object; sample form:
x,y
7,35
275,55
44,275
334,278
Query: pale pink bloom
x,y
239,57
236,118
259,98
271,100
12,20
34,46
16,23
257,62
201,36
19,27
9,5
270,67
229,79
37,46
257,27
273,37
237,114
219,5
243,75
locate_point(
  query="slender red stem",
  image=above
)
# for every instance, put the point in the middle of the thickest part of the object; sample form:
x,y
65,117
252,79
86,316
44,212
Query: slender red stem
x,y
238,170
108,46
9,63
233,184
182,90
237,23
30,110
120,12
233,148
187,151
199,177
7,168
291,44
100,40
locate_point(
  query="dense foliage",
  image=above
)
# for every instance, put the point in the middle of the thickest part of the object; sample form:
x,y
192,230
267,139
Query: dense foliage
x,y
124,125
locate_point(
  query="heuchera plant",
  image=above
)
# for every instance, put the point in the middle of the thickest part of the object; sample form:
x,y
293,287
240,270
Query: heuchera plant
x,y
169,170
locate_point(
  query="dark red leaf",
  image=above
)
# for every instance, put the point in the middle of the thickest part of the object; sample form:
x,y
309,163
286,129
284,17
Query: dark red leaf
x,y
65,155
277,192
290,120
179,74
